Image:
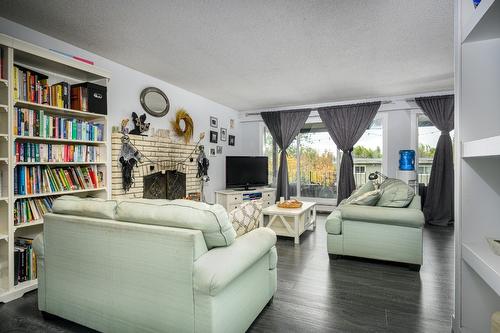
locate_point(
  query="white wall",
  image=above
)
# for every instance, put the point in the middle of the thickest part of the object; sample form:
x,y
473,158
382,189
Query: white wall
x,y
123,99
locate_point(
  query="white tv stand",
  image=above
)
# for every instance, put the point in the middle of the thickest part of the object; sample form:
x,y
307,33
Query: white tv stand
x,y
232,199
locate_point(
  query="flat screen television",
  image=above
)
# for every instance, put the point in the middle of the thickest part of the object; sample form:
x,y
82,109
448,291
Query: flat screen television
x,y
246,171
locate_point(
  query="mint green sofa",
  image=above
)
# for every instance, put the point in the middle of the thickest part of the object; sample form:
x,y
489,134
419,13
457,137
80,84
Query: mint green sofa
x,y
384,233
152,266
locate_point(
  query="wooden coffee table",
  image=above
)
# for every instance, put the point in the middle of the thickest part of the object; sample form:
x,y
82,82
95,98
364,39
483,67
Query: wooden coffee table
x,y
291,222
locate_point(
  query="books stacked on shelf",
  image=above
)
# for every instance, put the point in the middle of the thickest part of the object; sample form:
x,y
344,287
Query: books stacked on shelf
x,y
40,152
25,268
29,180
33,209
38,124
33,87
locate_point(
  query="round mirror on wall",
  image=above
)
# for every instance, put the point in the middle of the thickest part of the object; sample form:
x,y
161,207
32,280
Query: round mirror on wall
x,y
155,102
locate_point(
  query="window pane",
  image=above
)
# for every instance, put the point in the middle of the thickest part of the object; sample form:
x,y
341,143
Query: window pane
x,y
268,151
291,159
367,153
318,165
428,136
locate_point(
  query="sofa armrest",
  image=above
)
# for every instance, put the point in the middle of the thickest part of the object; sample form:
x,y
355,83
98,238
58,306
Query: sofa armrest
x,y
214,270
407,217
38,246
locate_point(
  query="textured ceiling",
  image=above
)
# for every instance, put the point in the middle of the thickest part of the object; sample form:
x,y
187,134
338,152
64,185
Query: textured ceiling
x,y
257,54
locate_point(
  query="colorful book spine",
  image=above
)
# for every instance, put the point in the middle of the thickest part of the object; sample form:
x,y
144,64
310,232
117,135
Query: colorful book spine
x,y
39,124
46,180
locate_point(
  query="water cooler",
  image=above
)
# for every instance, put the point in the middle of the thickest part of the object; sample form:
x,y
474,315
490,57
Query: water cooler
x,y
406,171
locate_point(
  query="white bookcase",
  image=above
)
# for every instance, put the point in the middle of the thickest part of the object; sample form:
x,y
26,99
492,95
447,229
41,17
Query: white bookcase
x,y
57,68
477,176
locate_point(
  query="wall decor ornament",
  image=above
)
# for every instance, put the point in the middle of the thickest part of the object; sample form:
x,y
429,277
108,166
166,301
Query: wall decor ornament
x,y
223,134
231,123
154,101
213,136
183,125
214,122
219,150
140,125
232,140
212,151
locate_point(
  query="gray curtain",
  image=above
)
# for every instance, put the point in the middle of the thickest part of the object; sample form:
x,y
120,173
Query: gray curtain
x,y
284,127
346,124
438,206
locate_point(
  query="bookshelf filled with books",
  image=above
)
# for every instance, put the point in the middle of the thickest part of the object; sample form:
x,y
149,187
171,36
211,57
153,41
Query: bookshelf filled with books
x,y
53,141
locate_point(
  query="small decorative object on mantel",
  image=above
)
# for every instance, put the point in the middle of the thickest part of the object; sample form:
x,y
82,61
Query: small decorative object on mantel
x,y
183,125
231,140
223,134
214,122
494,245
213,136
294,203
155,102
140,125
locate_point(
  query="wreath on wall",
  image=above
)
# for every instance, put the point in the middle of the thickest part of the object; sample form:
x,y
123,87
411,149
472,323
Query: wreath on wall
x,y
183,125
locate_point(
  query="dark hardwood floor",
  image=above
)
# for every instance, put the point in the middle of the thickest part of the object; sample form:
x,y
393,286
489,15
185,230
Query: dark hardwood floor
x,y
319,295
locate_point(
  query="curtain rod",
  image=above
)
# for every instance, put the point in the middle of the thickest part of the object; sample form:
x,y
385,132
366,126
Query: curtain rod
x,y
312,109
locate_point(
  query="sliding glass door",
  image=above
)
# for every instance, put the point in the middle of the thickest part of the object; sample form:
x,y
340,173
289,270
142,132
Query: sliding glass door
x,y
314,160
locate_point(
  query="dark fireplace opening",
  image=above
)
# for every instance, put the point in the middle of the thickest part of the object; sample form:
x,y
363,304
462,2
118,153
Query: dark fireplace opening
x,y
169,184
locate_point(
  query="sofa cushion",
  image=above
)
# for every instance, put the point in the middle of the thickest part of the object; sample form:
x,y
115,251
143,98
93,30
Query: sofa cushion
x,y
334,223
365,188
395,193
367,199
246,217
211,220
90,207
406,217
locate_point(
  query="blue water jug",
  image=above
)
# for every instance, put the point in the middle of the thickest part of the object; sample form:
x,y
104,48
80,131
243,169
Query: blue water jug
x,y
407,160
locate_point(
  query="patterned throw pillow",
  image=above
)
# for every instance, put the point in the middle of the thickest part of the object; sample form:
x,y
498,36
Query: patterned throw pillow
x,y
246,217
367,198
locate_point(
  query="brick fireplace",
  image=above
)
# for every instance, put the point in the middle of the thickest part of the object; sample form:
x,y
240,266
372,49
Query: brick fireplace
x,y
156,149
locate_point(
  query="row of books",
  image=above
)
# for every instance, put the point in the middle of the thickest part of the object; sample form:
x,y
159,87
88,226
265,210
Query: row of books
x,y
38,179
41,152
25,267
32,209
34,87
38,124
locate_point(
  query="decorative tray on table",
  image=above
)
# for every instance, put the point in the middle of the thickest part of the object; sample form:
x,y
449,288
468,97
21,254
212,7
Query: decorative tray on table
x,y
290,204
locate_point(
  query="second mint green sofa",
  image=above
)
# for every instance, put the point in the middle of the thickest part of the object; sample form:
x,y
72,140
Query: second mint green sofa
x,y
384,233
152,266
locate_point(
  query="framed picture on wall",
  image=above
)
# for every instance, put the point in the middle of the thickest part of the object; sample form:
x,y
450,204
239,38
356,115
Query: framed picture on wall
x,y
214,122
213,136
219,150
223,134
212,152
231,140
